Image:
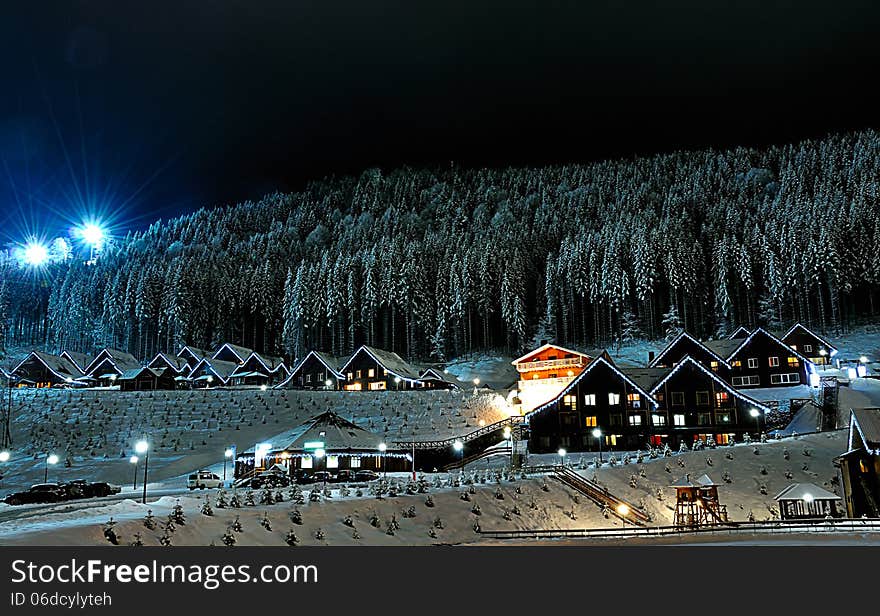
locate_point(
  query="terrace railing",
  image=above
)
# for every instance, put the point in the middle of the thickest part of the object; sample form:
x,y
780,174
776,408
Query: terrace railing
x,y
550,364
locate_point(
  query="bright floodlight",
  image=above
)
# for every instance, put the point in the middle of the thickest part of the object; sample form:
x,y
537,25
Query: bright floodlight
x,y
808,498
561,452
754,412
319,453
863,359
4,456
35,254
142,447
228,453
397,379
623,509
383,447
597,433
328,383
506,431
53,459
263,387
133,459
92,234
476,381
458,445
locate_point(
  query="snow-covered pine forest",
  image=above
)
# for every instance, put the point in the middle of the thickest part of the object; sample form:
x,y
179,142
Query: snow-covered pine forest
x,y
440,263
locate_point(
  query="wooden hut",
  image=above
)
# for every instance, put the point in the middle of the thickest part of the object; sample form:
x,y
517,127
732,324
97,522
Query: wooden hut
x,y
147,379
805,501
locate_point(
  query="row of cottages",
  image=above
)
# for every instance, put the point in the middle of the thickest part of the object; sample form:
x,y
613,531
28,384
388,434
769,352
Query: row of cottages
x,y
368,369
229,365
71,369
759,359
800,338
632,407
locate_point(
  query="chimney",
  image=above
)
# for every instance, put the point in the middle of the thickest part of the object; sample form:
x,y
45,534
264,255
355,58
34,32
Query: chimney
x,y
650,356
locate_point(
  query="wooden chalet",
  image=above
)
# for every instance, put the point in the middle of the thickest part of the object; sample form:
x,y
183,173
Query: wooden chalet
x,y
685,345
325,442
80,360
259,369
212,373
110,364
40,369
546,371
763,360
191,355
147,379
372,369
694,404
434,378
177,365
317,370
804,501
602,396
232,353
810,344
860,464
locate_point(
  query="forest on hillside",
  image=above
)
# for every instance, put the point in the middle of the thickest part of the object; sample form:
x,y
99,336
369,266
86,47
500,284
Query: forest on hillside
x,y
444,262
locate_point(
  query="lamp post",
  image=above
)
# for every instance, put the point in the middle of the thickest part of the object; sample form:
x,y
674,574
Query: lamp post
x,y
50,459
757,415
328,383
383,448
227,455
823,353
597,433
476,384
6,439
561,453
508,436
319,453
397,382
4,458
134,462
458,446
143,448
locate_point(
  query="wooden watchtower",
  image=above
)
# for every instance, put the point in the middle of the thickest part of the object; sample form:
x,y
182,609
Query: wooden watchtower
x,y
696,503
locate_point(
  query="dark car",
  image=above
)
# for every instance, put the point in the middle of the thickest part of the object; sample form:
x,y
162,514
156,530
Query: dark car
x,y
78,488
39,493
322,476
302,476
270,480
343,476
102,488
366,475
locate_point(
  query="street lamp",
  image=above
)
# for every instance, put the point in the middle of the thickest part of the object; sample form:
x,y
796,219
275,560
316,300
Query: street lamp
x,y
264,387
143,448
508,436
382,449
35,254
227,455
328,383
757,415
134,461
597,433
4,457
561,453
319,453
397,381
50,459
823,353
458,446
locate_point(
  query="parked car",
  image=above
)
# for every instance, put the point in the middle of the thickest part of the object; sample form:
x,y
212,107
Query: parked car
x,y
303,476
270,480
322,476
343,476
39,493
78,488
203,479
102,488
366,475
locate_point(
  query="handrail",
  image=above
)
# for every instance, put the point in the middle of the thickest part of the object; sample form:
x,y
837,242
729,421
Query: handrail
x,y
487,453
439,444
601,496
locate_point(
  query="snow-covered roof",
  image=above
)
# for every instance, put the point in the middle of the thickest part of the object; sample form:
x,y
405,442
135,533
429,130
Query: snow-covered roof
x,y
760,330
805,492
683,482
786,334
80,360
723,348
684,335
130,375
435,374
176,363
219,368
338,434
391,361
866,423
120,360
647,378
739,332
57,365
195,353
704,481
544,347
269,362
242,353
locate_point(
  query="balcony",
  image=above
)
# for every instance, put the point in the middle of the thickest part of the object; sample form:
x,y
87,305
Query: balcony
x,y
534,383
551,364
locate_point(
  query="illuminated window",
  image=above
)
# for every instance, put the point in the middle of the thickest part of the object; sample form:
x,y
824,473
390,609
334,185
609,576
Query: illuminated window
x,y
678,420
371,373
793,362
793,347
635,420
590,421
355,463
350,376
305,462
377,386
808,348
308,378
659,397
723,418
384,372
773,361
634,400
677,398
736,363
721,398
658,420
753,362
611,439
714,365
613,399
570,401
535,376
358,374
702,398
590,399
332,461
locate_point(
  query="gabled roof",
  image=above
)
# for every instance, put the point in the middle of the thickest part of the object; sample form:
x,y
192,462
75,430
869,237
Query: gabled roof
x,y
329,362
739,333
339,434
805,492
544,347
646,377
690,361
830,346
121,360
219,368
178,364
63,368
132,374
761,330
435,374
391,361
270,363
683,482
195,353
723,348
80,360
242,353
704,481
599,361
866,423
686,335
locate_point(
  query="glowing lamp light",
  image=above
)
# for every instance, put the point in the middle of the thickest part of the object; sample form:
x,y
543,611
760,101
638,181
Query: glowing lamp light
x,y
623,509
53,459
319,453
476,381
328,383
863,359
397,380
754,412
4,456
92,234
35,254
561,452
383,447
134,459
263,388
597,433
808,498
142,447
506,432
458,445
228,453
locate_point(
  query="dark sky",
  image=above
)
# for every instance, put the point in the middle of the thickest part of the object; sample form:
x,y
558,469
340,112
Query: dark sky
x,y
136,110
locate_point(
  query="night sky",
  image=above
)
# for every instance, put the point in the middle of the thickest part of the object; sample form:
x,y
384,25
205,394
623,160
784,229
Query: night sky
x,y
134,111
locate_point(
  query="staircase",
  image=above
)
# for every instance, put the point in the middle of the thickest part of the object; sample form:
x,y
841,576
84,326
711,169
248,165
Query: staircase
x,y
488,453
830,387
602,497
